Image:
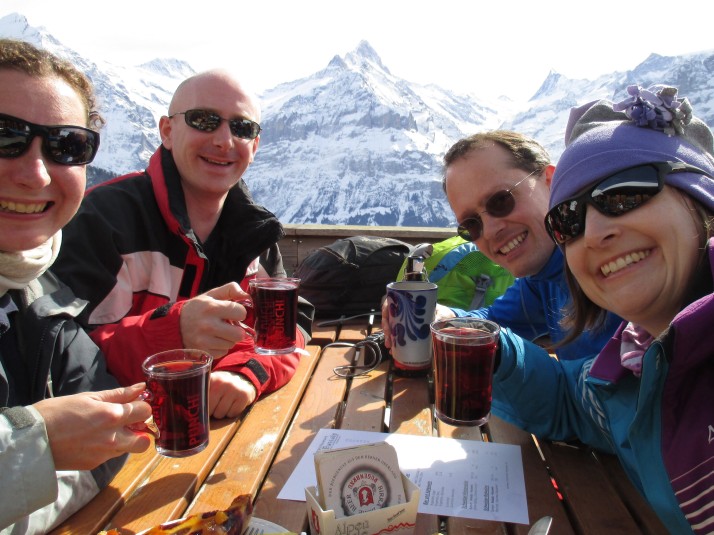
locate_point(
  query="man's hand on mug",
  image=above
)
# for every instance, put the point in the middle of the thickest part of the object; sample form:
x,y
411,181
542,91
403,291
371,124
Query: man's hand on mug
x,y
385,325
443,313
210,321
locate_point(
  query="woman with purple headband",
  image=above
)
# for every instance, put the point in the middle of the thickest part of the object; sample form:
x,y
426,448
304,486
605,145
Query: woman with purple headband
x,y
632,207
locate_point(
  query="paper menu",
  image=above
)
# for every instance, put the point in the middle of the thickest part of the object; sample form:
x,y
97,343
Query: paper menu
x,y
462,478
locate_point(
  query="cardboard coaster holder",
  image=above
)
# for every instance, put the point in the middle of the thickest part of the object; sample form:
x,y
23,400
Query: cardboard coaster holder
x,y
397,519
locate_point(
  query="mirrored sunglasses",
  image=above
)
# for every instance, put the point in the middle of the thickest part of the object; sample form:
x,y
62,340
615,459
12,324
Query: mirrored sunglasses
x,y
500,204
613,196
63,144
207,121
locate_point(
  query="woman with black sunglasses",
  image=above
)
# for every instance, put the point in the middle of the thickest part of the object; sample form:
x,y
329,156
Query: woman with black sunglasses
x,y
632,206
62,433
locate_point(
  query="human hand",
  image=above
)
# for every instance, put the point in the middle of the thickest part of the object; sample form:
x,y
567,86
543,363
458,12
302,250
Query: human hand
x,y
443,313
210,321
90,428
385,325
229,394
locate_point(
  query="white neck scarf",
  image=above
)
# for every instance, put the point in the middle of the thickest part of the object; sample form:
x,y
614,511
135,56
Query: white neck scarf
x,y
17,270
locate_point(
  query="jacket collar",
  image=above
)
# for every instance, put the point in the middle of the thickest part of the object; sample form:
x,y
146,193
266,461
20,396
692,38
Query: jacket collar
x,y
553,269
691,328
166,182
607,365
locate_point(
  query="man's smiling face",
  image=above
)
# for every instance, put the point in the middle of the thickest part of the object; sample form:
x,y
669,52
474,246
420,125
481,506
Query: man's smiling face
x,y
210,163
518,241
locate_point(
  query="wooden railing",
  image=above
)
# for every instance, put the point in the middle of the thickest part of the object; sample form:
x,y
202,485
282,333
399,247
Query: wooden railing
x,y
301,239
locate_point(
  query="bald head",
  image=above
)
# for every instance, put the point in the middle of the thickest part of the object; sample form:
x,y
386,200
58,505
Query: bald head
x,y
206,89
210,160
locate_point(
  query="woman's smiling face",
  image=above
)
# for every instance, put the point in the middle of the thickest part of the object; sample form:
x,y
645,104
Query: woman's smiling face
x,y
38,196
639,265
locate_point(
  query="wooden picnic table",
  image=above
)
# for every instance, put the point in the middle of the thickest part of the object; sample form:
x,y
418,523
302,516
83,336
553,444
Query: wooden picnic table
x,y
585,492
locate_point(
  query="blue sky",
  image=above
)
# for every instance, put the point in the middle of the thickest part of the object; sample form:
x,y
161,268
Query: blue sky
x,y
491,48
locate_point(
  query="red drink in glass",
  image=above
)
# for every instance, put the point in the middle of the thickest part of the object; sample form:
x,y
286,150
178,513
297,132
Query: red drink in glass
x,y
275,308
464,352
177,386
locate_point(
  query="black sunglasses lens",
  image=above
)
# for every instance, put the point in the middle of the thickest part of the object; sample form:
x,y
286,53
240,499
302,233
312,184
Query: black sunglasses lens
x,y
66,145
244,128
71,146
566,221
462,232
500,204
626,190
470,229
614,196
15,136
206,121
202,120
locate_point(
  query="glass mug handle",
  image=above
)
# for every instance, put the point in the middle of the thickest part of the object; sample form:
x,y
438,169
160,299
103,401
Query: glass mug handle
x,y
149,425
247,303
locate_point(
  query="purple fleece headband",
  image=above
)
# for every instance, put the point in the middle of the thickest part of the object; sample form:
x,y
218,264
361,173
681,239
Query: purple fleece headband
x,y
655,127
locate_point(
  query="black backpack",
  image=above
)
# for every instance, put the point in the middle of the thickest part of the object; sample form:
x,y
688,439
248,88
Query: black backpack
x,y
350,275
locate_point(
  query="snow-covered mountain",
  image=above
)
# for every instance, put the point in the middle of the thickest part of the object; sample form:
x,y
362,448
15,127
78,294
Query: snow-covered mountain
x,y
131,99
353,144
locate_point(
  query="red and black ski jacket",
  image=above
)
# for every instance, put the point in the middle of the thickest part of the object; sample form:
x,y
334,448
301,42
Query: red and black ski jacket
x,y
131,253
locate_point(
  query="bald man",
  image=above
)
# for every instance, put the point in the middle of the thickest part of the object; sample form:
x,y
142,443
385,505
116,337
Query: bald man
x,y
164,256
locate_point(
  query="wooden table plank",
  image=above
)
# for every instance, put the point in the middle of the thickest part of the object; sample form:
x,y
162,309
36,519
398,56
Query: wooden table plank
x,y
591,500
94,516
367,401
323,332
353,331
410,409
638,507
247,458
170,487
321,403
411,414
541,495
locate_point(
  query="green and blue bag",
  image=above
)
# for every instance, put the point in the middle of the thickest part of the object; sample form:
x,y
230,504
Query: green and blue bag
x,y
466,278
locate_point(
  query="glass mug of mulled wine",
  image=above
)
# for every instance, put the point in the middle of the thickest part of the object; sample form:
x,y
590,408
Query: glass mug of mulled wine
x,y
177,390
464,351
274,301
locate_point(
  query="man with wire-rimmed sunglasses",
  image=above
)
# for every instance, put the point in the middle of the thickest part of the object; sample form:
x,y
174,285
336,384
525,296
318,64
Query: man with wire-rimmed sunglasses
x,y
498,186
164,256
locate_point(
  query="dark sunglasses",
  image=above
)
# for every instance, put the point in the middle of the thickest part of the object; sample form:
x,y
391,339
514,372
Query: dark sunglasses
x,y
63,144
500,204
207,121
613,196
